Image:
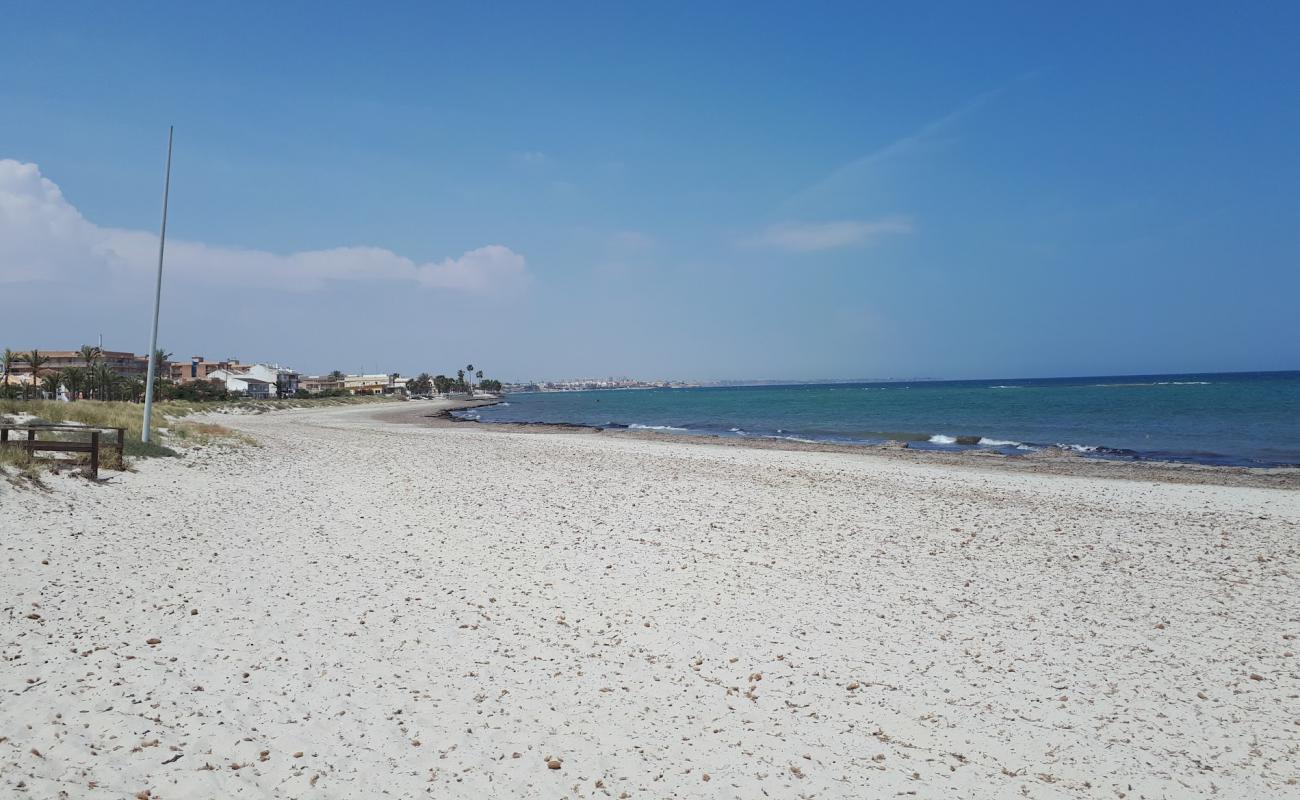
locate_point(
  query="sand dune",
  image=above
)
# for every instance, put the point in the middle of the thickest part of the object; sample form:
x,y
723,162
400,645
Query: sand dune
x,y
362,609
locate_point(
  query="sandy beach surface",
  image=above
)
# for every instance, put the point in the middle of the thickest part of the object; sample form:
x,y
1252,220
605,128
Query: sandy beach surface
x,y
361,607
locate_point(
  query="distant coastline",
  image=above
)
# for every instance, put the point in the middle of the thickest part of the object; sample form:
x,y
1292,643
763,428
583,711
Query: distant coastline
x,y
1221,419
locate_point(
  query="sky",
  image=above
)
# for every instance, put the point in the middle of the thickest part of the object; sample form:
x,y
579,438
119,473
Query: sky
x,y
658,190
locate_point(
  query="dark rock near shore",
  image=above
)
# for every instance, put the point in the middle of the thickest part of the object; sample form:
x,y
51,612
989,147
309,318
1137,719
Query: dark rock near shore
x,y
968,440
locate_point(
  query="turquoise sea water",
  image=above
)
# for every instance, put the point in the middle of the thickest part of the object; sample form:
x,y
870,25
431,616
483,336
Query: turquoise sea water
x,y
1250,419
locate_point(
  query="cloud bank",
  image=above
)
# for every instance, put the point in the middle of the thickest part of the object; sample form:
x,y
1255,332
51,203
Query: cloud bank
x,y
44,238
812,236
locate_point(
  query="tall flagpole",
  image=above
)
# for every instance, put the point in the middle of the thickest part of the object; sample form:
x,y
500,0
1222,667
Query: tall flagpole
x,y
157,296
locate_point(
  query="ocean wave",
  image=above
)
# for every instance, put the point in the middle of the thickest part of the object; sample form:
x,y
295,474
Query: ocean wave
x,y
736,430
1005,387
1150,383
939,438
987,442
637,427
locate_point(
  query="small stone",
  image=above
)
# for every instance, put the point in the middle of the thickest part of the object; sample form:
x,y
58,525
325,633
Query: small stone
x,y
1255,676
707,778
194,612
553,763
153,641
298,754
853,687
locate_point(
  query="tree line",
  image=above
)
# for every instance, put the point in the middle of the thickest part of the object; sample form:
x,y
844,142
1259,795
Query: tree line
x,y
97,380
424,383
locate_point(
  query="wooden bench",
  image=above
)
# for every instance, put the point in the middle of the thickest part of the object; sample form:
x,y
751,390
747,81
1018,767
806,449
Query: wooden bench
x,y
33,445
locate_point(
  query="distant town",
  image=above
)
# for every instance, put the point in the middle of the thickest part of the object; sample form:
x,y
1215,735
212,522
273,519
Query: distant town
x,y
91,372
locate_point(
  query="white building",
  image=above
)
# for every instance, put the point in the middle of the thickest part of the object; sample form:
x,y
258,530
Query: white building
x,y
248,378
277,376
243,382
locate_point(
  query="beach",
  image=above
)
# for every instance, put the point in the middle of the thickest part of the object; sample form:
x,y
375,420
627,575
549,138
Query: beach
x,y
371,602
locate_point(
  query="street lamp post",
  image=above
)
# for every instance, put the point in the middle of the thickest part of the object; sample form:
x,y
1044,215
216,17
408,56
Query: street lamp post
x,y
157,296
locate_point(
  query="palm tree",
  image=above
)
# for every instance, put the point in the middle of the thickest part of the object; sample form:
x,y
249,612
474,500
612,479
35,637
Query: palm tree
x,y
160,359
9,359
460,379
470,369
90,354
74,380
479,375
50,385
35,360
105,380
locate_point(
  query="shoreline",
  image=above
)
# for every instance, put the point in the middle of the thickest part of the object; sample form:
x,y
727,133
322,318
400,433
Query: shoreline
x,y
1048,461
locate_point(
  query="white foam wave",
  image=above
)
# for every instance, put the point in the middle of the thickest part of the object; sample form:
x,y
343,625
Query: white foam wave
x,y
987,442
634,426
1153,383
1006,387
737,430
939,438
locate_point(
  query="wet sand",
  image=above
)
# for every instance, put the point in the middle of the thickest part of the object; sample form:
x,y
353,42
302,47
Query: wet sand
x,y
1048,462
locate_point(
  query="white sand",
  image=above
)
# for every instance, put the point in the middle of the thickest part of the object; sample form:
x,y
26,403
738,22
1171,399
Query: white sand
x,y
409,608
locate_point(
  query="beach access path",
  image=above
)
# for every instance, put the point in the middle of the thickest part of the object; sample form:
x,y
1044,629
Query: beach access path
x,y
359,607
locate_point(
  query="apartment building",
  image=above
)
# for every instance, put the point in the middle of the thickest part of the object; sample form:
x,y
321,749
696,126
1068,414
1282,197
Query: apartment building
x,y
200,369
121,362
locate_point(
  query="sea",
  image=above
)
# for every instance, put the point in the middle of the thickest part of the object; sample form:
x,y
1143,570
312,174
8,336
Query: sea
x,y
1236,419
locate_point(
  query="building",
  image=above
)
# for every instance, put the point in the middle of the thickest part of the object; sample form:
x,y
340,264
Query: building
x,y
200,369
283,382
315,384
368,384
251,387
120,362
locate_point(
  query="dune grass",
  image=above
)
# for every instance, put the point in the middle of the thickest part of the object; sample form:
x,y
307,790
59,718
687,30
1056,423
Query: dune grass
x,y
170,427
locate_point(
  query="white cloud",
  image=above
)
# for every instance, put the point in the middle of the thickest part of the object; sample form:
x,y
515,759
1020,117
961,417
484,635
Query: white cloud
x,y
810,236
44,238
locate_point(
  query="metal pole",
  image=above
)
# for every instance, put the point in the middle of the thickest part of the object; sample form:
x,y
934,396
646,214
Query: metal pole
x,y
157,296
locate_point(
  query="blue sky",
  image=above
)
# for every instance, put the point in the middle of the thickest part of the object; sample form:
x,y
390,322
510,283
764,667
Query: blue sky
x,y
743,190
